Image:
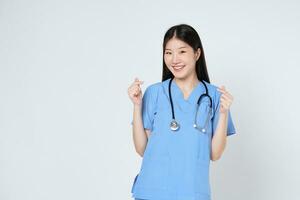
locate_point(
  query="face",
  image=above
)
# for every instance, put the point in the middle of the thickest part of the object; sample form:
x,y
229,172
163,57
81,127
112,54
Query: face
x,y
180,58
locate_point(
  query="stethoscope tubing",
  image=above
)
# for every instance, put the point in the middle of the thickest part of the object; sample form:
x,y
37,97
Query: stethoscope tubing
x,y
174,124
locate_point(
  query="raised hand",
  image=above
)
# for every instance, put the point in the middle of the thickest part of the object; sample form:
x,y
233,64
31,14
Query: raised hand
x,y
135,92
226,99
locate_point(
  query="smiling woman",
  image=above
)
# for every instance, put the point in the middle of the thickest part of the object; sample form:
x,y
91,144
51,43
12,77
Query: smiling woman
x,y
180,58
186,119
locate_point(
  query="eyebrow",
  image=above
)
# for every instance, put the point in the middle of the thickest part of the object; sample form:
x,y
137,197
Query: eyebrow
x,y
178,48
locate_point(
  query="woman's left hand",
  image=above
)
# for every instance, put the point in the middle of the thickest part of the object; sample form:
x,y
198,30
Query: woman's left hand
x,y
226,99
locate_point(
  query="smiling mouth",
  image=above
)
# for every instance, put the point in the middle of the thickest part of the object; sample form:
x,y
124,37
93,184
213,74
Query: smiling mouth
x,y
178,68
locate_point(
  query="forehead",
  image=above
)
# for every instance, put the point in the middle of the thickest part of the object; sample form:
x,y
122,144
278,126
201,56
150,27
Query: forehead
x,y
175,43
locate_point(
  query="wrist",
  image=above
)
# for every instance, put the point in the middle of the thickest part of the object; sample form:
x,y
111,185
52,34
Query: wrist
x,y
224,113
137,107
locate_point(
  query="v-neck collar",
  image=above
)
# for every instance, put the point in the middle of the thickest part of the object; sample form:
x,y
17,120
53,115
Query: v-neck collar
x,y
179,94
184,105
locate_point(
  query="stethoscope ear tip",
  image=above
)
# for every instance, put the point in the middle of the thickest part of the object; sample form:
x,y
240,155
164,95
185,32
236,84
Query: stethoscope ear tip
x,y
203,130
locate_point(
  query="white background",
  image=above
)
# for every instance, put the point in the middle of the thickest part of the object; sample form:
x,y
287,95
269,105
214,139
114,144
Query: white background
x,y
65,67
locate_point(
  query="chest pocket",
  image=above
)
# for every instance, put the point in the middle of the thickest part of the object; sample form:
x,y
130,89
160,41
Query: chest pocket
x,y
161,120
162,115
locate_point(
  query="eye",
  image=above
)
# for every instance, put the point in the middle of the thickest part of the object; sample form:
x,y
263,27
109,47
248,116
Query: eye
x,y
167,52
182,51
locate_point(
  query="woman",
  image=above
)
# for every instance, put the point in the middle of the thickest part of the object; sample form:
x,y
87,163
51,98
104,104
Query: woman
x,y
179,124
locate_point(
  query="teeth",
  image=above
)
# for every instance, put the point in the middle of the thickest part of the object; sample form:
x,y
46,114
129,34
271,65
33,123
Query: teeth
x,y
178,68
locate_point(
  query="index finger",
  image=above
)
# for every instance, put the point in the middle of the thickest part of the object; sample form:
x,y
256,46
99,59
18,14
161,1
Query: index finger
x,y
222,87
137,83
137,80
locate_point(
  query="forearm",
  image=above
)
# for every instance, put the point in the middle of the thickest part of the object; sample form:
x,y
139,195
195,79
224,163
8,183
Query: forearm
x,y
220,136
139,134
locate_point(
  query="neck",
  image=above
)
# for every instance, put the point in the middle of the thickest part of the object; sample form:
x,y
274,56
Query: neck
x,y
188,83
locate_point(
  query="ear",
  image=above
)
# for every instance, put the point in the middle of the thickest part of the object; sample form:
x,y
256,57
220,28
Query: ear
x,y
198,53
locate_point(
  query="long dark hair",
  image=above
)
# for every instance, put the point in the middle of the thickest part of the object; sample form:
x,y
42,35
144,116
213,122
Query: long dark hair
x,y
189,35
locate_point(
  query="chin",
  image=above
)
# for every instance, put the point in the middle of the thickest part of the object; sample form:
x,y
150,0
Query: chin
x,y
179,76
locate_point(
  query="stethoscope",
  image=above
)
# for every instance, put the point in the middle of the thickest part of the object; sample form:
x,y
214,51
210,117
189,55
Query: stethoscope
x,y
174,125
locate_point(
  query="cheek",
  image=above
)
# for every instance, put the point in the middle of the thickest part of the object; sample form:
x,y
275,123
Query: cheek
x,y
168,61
190,61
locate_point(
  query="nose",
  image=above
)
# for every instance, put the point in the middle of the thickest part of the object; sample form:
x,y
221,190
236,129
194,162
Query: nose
x,y
175,59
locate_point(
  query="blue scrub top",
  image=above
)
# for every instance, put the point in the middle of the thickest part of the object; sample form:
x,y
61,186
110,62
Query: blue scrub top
x,y
175,165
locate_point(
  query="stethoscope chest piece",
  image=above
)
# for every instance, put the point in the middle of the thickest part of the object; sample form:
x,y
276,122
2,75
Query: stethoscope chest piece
x,y
174,125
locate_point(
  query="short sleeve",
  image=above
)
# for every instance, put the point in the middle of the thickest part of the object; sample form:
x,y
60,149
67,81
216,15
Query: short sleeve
x,y
148,107
230,125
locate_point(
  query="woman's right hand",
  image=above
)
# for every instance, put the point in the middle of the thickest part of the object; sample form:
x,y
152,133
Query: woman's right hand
x,y
135,92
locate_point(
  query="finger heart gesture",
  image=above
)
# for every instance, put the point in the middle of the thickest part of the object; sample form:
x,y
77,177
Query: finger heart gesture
x,y
226,99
